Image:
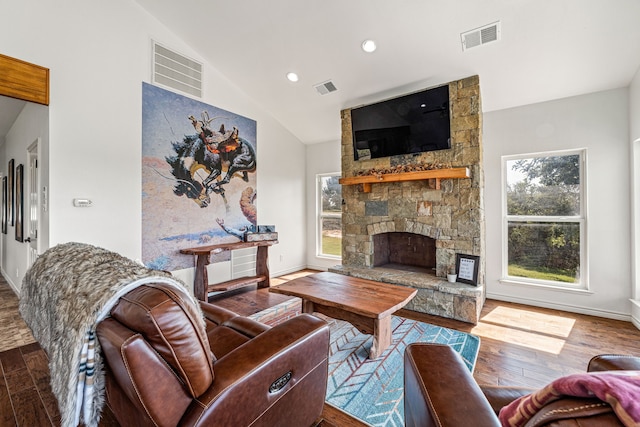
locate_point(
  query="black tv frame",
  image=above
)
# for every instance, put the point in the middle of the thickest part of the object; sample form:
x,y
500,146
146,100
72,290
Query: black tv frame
x,y
410,124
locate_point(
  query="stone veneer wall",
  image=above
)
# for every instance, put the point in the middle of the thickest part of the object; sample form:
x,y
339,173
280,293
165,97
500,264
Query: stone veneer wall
x,y
453,215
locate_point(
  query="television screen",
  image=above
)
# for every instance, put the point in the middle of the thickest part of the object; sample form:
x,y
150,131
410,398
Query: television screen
x,y
409,124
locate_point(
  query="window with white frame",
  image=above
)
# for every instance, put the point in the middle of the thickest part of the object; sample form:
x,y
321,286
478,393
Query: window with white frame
x,y
329,241
545,222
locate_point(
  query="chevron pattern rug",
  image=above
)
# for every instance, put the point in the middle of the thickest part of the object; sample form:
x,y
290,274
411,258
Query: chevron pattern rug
x,y
373,390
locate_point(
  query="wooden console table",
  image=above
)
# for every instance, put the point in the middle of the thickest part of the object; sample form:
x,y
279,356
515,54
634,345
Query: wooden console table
x,y
201,287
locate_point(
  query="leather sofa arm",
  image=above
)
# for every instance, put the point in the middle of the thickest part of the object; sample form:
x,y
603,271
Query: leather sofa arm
x,y
146,380
500,396
279,359
215,314
614,362
440,390
222,317
574,411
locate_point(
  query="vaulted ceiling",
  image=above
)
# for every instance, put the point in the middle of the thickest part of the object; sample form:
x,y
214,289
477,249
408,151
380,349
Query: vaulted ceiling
x,y
548,50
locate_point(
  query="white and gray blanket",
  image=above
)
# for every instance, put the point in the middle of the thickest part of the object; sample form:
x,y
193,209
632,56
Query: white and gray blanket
x,y
67,291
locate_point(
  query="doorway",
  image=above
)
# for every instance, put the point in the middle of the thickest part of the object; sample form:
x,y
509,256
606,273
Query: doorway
x,y
33,200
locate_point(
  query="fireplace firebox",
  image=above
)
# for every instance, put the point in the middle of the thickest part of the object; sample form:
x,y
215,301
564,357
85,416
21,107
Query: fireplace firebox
x,y
400,250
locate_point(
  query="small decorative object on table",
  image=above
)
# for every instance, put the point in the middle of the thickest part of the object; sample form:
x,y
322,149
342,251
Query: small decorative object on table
x,y
259,237
260,233
467,268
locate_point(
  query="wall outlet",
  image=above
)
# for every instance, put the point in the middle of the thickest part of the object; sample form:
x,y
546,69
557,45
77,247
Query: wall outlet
x,y
281,257
17,272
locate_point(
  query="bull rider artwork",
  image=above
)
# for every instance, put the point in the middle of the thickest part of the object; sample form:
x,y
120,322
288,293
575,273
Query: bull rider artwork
x,y
198,176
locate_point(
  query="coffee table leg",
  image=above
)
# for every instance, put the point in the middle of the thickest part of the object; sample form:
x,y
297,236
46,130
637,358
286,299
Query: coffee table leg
x,y
307,306
381,337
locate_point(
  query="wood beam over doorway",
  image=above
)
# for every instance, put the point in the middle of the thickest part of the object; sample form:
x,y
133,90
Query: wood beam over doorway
x,y
23,80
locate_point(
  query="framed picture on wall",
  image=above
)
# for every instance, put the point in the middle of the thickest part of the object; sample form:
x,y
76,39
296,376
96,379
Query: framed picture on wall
x,y
4,205
467,268
10,173
19,214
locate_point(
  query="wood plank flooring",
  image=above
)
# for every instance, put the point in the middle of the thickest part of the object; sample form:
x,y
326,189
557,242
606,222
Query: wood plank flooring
x,y
13,331
520,345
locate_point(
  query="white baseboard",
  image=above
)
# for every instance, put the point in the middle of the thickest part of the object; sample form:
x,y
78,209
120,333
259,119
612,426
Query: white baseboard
x,y
317,267
635,313
273,273
563,307
10,282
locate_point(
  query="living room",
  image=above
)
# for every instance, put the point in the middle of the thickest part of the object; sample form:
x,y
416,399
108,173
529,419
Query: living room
x,y
115,186
99,55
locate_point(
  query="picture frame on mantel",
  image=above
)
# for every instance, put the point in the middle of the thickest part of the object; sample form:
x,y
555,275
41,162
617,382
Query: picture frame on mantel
x,y
467,267
19,214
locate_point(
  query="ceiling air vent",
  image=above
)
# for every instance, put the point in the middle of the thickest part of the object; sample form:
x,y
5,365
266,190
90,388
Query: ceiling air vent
x,y
479,36
176,71
326,87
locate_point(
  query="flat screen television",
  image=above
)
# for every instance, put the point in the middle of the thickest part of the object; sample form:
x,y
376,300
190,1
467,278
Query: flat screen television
x,y
409,124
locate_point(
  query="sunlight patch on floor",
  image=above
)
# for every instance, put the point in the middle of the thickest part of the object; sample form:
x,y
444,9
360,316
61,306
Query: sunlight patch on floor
x,y
522,338
547,324
538,331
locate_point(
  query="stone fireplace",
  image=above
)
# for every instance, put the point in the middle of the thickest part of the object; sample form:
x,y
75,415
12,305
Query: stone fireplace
x,y
409,231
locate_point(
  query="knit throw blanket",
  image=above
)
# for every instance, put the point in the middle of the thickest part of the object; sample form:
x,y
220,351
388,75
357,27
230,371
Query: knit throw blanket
x,y
67,291
620,389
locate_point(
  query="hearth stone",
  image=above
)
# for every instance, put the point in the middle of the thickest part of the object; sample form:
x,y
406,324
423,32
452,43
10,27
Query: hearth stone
x,y
435,295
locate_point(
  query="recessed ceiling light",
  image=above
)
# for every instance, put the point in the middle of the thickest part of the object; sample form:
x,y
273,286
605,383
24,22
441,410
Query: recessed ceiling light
x,y
293,77
369,46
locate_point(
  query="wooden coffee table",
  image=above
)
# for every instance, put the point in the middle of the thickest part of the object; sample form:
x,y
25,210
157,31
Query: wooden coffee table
x,y
365,304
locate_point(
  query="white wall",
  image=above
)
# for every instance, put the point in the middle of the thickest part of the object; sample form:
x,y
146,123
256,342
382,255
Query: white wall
x,y
321,159
634,120
634,107
98,54
598,122
32,124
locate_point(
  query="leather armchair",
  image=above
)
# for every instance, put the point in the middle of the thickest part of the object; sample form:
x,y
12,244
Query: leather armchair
x,y
165,366
440,391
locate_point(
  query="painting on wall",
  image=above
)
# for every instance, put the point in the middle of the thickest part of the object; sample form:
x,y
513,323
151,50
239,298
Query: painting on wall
x,y
198,177
19,214
4,204
10,173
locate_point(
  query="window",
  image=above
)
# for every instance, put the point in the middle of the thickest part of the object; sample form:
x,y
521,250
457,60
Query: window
x,y
329,216
545,222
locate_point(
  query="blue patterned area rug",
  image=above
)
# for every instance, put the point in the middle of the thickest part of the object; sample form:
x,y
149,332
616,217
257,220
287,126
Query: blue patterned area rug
x,y
373,390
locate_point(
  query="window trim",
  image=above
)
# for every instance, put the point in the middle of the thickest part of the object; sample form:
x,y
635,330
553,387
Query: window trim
x,y
320,215
581,219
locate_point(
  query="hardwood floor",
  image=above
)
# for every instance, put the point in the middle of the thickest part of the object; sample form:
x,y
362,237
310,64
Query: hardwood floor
x,y
520,345
13,331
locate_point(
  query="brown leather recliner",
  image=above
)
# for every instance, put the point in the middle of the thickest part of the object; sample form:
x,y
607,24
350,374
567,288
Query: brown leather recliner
x,y
165,367
440,391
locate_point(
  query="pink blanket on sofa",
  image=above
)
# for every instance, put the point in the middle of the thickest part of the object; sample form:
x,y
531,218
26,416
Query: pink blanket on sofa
x,y
620,389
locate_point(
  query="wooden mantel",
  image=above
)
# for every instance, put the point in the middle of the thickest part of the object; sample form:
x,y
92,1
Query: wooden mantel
x,y
436,174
